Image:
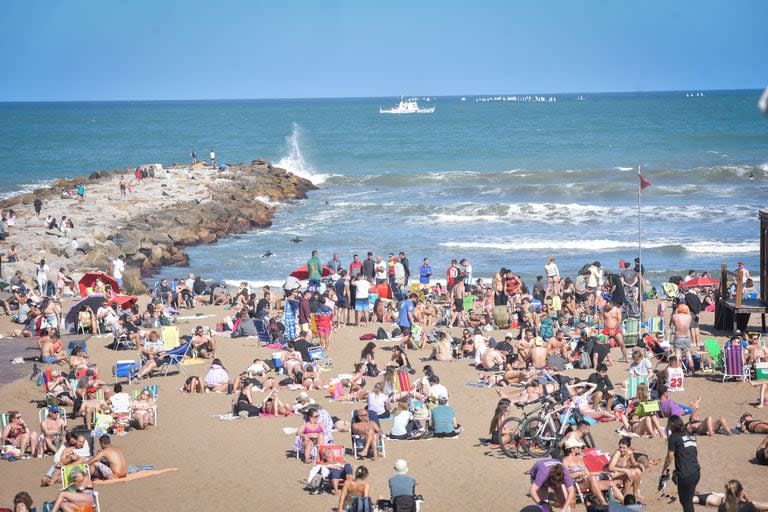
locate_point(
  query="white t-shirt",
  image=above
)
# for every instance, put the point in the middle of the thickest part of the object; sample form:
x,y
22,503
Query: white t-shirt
x,y
213,155
641,368
551,269
376,402
381,270
118,267
438,391
120,402
400,423
362,288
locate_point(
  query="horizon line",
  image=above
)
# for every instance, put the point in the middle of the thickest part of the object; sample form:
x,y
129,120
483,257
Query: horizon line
x,y
300,98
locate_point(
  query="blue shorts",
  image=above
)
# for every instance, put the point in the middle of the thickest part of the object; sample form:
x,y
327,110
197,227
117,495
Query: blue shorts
x,y
49,359
362,304
340,474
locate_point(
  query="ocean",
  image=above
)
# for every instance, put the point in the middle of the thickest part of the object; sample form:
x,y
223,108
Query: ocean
x,y
501,183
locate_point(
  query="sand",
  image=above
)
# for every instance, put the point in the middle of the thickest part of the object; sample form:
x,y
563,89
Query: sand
x,y
234,465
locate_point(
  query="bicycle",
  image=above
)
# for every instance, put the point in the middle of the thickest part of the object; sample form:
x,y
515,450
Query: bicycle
x,y
511,438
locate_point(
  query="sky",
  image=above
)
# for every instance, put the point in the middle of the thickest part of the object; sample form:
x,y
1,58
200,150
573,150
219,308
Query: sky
x,y
55,50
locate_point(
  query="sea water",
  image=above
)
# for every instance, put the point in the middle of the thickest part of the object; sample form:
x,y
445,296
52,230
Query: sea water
x,y
501,183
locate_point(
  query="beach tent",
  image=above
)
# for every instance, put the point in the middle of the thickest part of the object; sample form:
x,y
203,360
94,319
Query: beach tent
x,y
89,279
302,272
93,301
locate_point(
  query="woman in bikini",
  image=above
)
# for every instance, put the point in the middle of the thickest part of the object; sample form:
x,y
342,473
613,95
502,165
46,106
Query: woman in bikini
x,y
311,434
499,415
141,409
354,490
646,426
747,424
574,463
623,466
310,377
19,435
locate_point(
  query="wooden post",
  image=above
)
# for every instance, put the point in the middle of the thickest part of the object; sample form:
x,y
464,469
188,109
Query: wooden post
x,y
739,287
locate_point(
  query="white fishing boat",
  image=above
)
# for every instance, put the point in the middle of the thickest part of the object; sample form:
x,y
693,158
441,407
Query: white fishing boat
x,y
409,106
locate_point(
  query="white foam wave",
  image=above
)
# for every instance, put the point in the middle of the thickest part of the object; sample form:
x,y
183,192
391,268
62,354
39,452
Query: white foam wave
x,y
624,168
257,284
25,188
715,247
704,246
293,161
267,200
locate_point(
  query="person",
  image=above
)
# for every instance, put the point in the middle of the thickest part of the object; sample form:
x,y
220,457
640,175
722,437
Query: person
x,y
681,342
734,499
640,366
141,409
212,155
312,434
217,378
118,267
550,474
681,448
314,272
109,462
405,320
753,426
333,468
38,204
443,419
378,403
402,421
574,463
402,487
119,401
604,386
17,433
193,154
355,494
553,276
612,322
362,305
623,466
78,499
203,343
693,302
674,375
22,502
367,428
244,402
51,428
437,390
761,454
425,273
41,275
12,256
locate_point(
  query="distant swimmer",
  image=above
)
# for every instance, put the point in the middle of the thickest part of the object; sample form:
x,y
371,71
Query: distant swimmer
x,y
268,254
751,175
296,240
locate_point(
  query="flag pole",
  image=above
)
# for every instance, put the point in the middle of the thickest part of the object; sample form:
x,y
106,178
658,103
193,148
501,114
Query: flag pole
x,y
639,248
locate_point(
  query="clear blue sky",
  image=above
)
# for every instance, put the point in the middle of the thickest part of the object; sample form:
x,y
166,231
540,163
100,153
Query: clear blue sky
x,y
159,49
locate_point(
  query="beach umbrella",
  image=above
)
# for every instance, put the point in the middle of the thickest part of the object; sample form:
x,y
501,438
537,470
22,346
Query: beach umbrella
x,y
701,282
93,301
89,279
302,272
124,301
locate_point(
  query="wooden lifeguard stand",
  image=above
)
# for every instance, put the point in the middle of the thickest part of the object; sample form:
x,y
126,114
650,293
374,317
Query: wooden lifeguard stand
x,y
730,313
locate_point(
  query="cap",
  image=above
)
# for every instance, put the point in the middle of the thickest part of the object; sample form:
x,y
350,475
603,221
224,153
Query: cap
x,y
509,335
401,467
573,442
90,373
53,410
302,396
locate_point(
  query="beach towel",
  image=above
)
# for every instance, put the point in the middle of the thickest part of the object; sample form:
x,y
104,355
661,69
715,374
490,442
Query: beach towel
x,y
274,346
138,472
190,361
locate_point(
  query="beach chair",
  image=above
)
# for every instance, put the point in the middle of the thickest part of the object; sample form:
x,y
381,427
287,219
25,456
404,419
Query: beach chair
x,y
122,340
358,442
630,329
319,356
262,330
170,337
631,385
126,369
733,363
43,413
66,474
77,343
715,352
153,409
174,358
469,302
336,449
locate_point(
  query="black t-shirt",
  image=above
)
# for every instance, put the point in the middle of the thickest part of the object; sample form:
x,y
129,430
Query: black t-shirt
x,y
617,295
686,453
262,305
746,506
603,383
303,347
693,303
504,346
369,268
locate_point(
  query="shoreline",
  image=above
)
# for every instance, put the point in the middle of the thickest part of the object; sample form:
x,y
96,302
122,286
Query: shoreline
x,y
152,224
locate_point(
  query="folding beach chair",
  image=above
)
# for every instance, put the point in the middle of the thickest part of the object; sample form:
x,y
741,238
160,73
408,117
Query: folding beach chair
x,y
170,337
358,442
262,330
43,413
336,449
153,409
631,385
630,329
126,369
4,420
319,356
174,358
733,360
715,352
66,474
77,343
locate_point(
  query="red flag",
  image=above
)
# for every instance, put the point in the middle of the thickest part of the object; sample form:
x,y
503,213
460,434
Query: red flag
x,y
644,183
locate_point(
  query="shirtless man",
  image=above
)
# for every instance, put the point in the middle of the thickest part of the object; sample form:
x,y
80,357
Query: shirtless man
x,y
525,345
612,327
48,351
557,345
756,353
109,462
205,344
538,354
492,359
681,342
51,428
497,283
368,430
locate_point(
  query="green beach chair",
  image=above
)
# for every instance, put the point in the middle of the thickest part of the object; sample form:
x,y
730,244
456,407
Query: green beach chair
x,y
469,302
630,329
715,351
631,385
66,474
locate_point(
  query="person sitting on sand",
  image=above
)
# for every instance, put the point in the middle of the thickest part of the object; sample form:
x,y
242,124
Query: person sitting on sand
x,y
203,343
761,454
141,409
79,496
400,358
443,420
643,426
581,393
492,360
574,463
550,474
217,378
109,462
51,351
499,415
193,384
403,423
378,402
369,430
355,494
443,350
734,499
312,434
245,403
272,405
78,360
624,467
747,424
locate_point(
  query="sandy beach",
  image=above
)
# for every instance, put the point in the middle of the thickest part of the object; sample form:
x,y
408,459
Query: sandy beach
x,y
246,463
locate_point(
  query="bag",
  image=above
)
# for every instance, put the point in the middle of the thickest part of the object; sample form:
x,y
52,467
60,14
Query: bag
x,y
367,337
372,370
381,334
647,408
546,328
361,504
316,482
556,363
585,362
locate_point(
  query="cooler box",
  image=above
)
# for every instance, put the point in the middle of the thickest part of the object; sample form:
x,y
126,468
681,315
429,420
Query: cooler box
x,y
277,360
761,371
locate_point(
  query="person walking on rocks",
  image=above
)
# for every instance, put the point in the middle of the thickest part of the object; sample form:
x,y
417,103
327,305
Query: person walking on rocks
x,y
41,275
193,154
213,159
38,207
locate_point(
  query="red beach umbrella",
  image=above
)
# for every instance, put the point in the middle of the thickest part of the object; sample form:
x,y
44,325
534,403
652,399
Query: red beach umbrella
x,y
89,279
700,282
302,273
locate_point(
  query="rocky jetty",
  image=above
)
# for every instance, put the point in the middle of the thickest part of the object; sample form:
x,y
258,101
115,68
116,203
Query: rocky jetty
x,y
150,225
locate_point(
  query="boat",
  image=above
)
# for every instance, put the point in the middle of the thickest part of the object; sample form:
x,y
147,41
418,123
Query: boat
x,y
409,106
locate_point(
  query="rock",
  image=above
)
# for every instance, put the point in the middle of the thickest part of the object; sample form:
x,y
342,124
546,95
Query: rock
x,y
132,283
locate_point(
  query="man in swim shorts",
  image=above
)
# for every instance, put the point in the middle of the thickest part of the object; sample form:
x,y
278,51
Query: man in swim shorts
x,y
612,327
681,342
109,462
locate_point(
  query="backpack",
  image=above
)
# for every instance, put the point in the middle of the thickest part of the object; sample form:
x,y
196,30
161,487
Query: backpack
x,y
361,504
584,362
546,328
381,334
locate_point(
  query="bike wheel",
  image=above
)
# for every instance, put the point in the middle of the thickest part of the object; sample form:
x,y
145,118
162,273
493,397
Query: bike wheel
x,y
539,437
509,436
